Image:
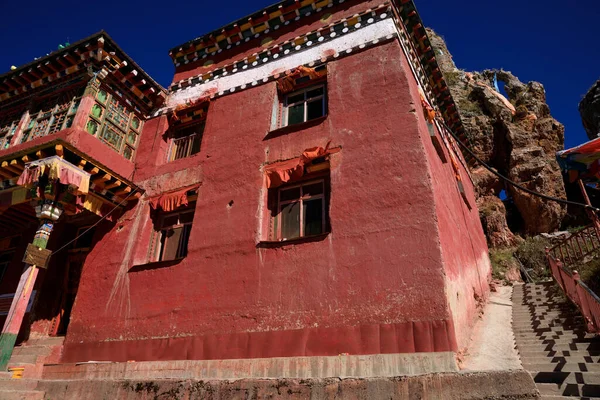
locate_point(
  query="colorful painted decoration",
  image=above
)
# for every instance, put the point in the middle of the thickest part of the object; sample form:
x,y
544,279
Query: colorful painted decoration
x,y
581,162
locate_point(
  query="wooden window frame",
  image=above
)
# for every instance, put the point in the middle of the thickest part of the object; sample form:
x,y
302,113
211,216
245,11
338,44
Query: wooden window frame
x,y
277,219
159,239
67,114
172,153
309,87
103,121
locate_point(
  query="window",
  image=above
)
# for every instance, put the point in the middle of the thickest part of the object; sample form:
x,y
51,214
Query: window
x,y
172,233
301,210
52,114
186,141
8,127
114,123
304,105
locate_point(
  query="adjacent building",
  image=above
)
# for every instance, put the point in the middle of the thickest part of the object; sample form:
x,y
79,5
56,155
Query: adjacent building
x,y
295,192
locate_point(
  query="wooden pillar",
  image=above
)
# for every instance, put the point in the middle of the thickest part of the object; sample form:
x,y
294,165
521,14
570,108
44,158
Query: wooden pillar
x,y
591,213
19,304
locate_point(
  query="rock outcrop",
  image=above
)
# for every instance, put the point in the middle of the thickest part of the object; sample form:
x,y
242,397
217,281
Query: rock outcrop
x,y
515,134
589,108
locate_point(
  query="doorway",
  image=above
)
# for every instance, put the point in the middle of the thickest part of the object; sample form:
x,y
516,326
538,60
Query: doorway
x,y
71,277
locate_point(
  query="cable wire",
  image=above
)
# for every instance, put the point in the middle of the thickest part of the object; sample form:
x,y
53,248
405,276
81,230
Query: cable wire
x,y
97,222
511,182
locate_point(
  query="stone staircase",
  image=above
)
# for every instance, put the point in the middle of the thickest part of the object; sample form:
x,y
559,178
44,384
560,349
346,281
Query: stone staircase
x,y
31,356
554,347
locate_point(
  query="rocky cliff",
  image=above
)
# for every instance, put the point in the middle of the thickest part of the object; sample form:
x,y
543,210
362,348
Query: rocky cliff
x,y
589,108
516,135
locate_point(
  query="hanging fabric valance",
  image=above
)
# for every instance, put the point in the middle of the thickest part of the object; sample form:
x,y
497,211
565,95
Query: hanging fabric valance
x,y
56,168
170,201
176,113
286,171
288,82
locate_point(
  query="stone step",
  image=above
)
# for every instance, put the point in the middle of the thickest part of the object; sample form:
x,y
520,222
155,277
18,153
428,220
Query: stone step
x,y
18,384
588,378
554,354
46,341
550,397
556,328
530,319
542,307
19,359
561,360
21,395
37,350
554,367
590,348
569,389
524,337
554,335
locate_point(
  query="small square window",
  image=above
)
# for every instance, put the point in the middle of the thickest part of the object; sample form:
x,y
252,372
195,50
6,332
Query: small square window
x,y
304,105
172,234
186,141
300,210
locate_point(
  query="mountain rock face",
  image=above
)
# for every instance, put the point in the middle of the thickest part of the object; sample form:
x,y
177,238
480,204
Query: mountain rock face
x,y
589,108
518,137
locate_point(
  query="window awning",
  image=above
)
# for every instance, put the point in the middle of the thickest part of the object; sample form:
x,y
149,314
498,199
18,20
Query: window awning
x,y
56,168
286,171
581,162
170,201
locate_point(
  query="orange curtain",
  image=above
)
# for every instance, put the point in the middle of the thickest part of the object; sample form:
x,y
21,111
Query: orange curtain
x,y
288,82
174,117
287,171
170,201
428,110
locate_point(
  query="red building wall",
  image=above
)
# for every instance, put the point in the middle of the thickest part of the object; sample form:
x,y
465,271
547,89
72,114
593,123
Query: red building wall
x,y
377,284
466,264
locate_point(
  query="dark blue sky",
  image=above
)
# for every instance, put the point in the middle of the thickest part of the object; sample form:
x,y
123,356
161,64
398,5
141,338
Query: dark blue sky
x,y
553,42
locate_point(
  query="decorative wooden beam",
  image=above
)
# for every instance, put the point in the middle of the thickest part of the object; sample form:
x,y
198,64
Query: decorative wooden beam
x,y
115,184
10,84
40,154
94,170
60,151
123,191
17,164
51,67
4,174
20,80
11,168
25,76
35,73
82,163
100,180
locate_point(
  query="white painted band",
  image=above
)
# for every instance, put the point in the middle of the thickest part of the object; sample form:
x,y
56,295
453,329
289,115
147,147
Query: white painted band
x,y
363,36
